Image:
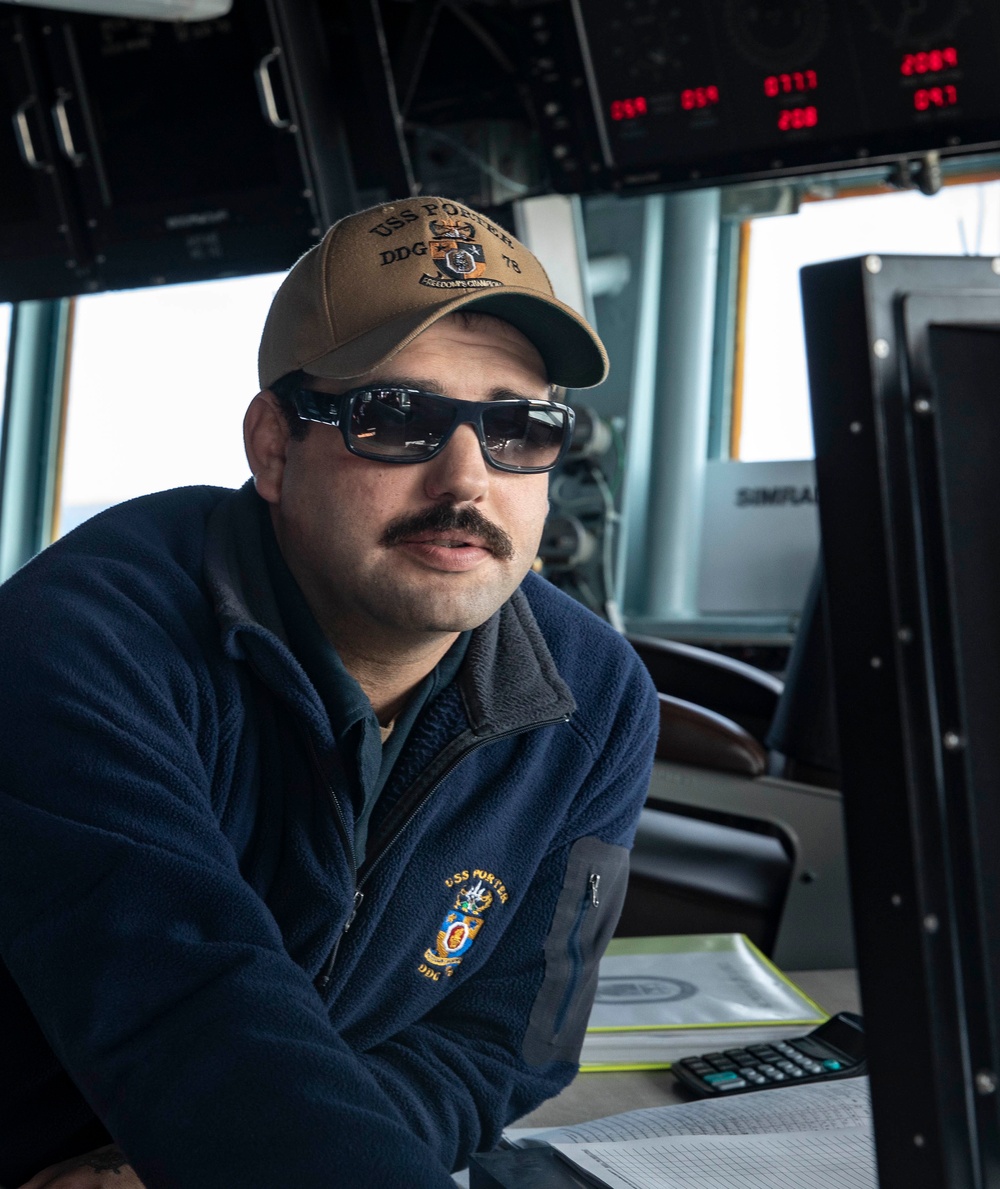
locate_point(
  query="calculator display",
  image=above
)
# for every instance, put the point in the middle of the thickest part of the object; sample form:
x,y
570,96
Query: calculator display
x,y
841,1032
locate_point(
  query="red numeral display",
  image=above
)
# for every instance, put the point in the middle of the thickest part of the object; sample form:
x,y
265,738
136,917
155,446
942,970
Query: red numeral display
x,y
928,97
695,97
797,117
929,61
788,84
628,109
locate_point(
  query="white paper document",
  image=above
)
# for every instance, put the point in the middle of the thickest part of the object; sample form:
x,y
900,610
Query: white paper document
x,y
831,1159
819,1106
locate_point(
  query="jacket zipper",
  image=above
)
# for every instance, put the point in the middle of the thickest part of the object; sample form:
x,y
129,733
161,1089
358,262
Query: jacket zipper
x,y
325,975
590,901
323,978
422,800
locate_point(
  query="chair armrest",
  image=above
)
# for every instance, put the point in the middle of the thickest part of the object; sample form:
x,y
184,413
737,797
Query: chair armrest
x,y
690,734
747,695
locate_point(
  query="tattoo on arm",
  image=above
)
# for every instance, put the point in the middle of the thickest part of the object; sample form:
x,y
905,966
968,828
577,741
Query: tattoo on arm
x,y
111,1159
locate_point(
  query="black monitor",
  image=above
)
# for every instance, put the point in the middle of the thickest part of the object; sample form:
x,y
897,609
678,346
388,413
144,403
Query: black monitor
x,y
904,360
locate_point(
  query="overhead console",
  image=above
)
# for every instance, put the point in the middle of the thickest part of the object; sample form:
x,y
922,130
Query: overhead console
x,y
647,94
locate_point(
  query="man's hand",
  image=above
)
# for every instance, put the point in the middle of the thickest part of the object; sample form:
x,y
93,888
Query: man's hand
x,y
103,1168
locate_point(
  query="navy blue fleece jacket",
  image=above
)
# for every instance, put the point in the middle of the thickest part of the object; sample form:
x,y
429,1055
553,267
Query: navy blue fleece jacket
x,y
191,963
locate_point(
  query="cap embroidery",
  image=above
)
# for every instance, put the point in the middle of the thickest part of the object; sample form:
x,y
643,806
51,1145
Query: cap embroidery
x,y
460,262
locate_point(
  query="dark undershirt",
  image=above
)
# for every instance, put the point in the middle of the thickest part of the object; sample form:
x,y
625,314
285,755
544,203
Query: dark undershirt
x,y
367,761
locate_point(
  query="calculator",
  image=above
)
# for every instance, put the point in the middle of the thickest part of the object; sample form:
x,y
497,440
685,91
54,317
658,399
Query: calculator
x,y
835,1049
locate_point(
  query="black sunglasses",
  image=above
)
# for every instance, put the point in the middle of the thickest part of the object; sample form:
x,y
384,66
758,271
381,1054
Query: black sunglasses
x,y
393,423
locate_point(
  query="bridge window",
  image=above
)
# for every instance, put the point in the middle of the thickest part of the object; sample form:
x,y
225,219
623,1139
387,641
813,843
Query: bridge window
x,y
159,381
771,397
4,342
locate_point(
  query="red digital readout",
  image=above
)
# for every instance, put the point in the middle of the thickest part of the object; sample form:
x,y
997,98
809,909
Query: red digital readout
x,y
797,117
929,61
696,97
628,109
787,84
928,97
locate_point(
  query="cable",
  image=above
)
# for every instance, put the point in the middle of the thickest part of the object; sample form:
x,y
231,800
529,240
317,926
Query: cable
x,y
611,518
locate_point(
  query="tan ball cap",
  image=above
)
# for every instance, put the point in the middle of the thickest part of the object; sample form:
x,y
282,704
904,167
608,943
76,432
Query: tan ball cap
x,y
380,277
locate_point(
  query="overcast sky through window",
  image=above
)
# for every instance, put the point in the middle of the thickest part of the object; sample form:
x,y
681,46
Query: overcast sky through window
x,y
959,220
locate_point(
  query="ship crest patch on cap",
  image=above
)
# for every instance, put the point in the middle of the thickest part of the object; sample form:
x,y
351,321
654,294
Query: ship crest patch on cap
x,y
460,261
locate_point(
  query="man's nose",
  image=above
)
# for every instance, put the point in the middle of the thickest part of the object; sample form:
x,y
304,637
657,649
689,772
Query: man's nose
x,y
459,473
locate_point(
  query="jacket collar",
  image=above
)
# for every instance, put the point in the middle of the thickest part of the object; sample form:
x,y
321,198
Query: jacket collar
x,y
508,681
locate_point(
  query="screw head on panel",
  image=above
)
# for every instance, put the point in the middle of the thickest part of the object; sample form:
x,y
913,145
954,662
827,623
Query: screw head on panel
x,y
896,900
855,427
995,264
881,349
953,741
876,662
986,1082
904,635
919,1141
873,263
931,923
922,406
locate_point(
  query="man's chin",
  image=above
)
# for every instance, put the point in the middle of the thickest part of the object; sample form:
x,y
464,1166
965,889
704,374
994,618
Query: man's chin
x,y
447,611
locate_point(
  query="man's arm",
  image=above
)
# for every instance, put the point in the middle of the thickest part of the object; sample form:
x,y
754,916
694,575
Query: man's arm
x,y
159,977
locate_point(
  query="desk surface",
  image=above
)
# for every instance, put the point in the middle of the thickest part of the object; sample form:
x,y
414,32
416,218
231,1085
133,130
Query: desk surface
x,y
594,1095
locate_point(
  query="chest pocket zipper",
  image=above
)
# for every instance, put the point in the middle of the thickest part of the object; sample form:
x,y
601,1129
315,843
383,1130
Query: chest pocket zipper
x,y
574,948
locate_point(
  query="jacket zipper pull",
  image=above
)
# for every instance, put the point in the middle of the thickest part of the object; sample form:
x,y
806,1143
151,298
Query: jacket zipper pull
x,y
595,883
323,978
358,897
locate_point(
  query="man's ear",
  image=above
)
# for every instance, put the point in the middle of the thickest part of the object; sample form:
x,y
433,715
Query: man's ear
x,y
265,438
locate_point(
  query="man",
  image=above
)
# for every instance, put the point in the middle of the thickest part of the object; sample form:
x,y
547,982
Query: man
x,y
314,801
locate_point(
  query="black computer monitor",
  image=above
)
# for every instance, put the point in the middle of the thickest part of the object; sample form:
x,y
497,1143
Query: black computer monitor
x,y
904,361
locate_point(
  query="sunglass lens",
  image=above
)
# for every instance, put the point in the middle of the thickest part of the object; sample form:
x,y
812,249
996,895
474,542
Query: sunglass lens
x,y
398,423
524,436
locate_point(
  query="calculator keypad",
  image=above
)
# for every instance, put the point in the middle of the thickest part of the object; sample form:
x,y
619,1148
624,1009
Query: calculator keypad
x,y
759,1065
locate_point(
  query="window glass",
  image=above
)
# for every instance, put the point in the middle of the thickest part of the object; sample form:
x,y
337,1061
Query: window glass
x,y
959,220
159,382
5,312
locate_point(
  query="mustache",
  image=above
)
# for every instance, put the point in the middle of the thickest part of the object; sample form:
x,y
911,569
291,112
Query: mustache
x,y
446,517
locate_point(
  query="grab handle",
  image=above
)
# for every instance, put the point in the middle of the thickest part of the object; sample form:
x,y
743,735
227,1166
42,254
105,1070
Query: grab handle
x,y
22,130
63,130
265,91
